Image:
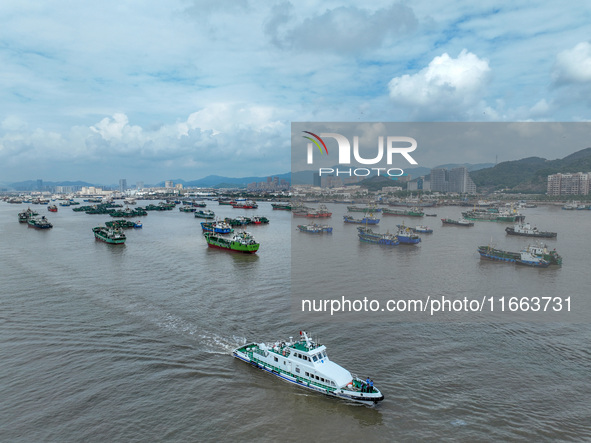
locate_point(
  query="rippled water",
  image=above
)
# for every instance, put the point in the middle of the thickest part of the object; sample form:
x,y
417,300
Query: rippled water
x,y
133,343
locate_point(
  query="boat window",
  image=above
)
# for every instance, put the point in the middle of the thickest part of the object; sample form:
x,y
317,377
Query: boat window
x,y
315,358
276,359
307,374
298,370
322,379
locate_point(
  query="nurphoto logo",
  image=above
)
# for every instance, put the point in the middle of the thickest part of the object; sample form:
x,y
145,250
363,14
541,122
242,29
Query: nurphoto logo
x,y
394,145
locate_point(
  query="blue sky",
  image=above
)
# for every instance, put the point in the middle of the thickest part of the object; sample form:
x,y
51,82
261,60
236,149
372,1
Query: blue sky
x,y
151,90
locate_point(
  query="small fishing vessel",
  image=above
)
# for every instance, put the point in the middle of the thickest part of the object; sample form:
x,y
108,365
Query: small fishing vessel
x,y
413,212
259,220
529,256
240,242
321,212
407,236
218,227
314,228
238,221
137,225
368,209
281,206
494,215
52,208
248,204
187,209
367,235
525,230
23,217
39,223
417,229
205,213
460,222
111,236
367,220
305,363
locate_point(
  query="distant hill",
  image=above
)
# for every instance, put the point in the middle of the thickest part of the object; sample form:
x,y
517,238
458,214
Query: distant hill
x,y
530,174
212,181
470,167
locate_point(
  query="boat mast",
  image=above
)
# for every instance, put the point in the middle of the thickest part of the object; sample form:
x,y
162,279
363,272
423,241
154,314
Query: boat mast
x,y
307,339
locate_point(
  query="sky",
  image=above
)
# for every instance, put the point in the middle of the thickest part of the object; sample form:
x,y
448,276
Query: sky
x,y
150,90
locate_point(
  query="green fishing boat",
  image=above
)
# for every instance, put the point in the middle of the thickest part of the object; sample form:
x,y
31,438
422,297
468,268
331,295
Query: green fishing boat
x,y
414,212
109,235
240,242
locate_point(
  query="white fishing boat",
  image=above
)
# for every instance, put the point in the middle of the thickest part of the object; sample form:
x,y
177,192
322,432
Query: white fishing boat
x,y
306,364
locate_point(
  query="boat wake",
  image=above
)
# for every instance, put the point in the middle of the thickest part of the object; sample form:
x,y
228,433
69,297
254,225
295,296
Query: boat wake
x,y
210,342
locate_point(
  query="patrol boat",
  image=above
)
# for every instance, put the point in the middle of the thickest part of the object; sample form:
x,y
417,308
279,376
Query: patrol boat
x,y
305,363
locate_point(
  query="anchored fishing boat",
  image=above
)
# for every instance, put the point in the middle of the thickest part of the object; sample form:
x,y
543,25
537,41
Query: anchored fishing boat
x,y
218,227
460,222
314,228
407,236
240,242
281,206
527,257
526,230
321,212
248,204
306,364
39,223
23,217
413,212
417,229
109,235
367,235
205,213
367,220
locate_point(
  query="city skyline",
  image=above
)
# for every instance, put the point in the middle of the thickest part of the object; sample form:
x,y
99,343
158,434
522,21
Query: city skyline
x,y
193,88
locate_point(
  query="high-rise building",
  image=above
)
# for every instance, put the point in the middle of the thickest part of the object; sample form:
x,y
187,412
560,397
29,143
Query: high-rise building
x,y
439,180
456,180
122,185
460,181
139,185
569,184
168,184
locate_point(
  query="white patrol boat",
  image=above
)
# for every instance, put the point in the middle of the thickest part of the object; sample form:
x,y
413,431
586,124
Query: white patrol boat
x,y
306,364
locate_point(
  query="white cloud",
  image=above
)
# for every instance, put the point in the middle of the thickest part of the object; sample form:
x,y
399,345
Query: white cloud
x,y
573,65
447,86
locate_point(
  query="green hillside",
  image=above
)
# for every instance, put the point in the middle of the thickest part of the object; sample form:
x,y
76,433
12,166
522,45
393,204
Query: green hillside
x,y
529,174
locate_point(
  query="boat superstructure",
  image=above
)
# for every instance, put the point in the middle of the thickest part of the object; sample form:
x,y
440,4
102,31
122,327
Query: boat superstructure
x,y
306,364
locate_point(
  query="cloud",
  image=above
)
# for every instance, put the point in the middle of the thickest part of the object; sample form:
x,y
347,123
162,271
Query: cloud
x,y
227,137
344,29
573,66
447,86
